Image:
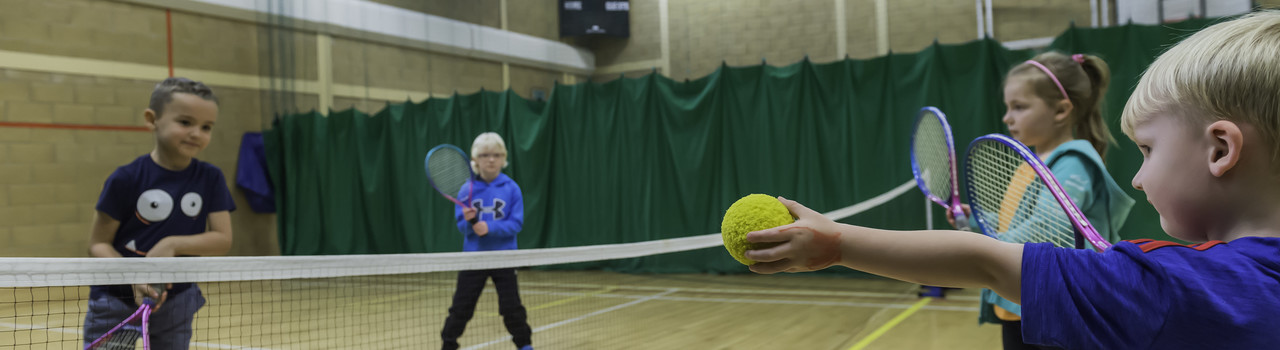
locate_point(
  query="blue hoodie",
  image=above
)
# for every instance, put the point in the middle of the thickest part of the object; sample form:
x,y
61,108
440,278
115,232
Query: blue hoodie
x,y
501,205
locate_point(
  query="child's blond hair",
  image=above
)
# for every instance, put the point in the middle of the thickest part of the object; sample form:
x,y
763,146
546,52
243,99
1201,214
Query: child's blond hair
x,y
485,141
1228,71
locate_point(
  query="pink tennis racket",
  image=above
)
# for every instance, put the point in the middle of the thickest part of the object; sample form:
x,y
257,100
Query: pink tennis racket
x,y
125,335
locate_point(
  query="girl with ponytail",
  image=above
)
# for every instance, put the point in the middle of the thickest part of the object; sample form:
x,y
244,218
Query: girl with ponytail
x,y
1054,105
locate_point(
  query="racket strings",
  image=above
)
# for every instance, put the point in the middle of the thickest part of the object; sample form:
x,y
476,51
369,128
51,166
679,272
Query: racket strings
x,y
1014,200
933,156
124,337
449,172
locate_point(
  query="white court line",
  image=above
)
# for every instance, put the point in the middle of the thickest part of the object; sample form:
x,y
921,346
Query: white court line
x,y
768,301
753,291
579,318
822,293
32,327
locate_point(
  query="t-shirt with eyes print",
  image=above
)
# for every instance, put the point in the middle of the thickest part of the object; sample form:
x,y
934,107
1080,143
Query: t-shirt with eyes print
x,y
152,202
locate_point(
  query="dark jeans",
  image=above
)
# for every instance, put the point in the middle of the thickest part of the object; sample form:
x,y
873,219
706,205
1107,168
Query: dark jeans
x,y
170,326
470,285
1011,332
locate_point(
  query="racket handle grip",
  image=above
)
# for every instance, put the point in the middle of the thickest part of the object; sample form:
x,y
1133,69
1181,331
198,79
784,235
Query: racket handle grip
x,y
962,221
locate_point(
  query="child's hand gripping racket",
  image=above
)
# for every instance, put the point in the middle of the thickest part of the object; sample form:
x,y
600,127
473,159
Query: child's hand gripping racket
x,y
933,162
1016,198
125,335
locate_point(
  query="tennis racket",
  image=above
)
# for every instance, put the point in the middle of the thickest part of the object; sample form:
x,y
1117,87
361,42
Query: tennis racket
x,y
125,335
449,170
1016,199
933,162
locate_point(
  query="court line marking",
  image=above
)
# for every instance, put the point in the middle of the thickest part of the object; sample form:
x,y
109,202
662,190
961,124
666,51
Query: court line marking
x,y
31,327
758,291
876,305
411,293
892,323
566,300
780,302
570,298
883,295
579,318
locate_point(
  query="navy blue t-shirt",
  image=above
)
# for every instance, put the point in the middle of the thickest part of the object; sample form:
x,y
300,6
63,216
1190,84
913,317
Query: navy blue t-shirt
x,y
1146,294
152,203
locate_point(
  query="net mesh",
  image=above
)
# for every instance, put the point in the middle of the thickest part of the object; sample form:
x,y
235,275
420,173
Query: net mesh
x,y
449,170
1012,202
402,301
932,156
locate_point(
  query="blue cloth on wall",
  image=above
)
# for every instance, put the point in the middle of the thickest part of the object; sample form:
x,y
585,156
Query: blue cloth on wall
x,y
251,174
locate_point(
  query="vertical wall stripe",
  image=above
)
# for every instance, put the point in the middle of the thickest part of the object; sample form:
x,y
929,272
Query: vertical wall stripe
x,y
882,27
324,71
506,66
991,32
664,26
168,36
842,31
982,21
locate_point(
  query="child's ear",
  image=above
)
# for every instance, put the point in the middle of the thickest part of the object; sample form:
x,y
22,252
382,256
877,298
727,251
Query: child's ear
x,y
1226,143
149,116
1062,110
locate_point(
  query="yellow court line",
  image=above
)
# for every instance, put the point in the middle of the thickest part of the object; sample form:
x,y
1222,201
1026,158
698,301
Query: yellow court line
x,y
889,325
566,300
401,296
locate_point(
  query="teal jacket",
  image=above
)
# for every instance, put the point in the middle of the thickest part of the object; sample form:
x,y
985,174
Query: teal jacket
x,y
1079,170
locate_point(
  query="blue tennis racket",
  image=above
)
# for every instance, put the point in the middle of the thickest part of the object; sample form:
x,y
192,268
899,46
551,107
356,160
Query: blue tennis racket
x,y
933,162
449,171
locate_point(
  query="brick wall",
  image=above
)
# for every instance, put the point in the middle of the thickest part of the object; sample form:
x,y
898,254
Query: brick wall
x,y
704,33
50,178
915,24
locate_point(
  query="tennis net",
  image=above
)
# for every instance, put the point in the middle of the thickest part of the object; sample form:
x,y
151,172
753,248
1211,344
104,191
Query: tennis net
x,y
375,301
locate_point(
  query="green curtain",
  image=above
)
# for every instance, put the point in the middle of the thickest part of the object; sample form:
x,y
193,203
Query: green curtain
x,y
649,158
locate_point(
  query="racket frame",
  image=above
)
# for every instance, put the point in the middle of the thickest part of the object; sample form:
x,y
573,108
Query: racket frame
x,y
1084,229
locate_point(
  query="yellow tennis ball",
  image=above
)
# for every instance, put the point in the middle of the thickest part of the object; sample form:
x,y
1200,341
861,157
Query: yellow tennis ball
x,y
751,213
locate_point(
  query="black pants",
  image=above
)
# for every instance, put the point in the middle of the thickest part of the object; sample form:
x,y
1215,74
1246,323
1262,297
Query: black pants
x,y
470,285
1011,333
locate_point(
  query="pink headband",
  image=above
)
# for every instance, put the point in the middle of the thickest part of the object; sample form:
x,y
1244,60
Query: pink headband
x,y
1051,77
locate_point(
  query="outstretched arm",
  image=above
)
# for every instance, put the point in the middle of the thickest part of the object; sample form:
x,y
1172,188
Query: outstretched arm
x,y
939,258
